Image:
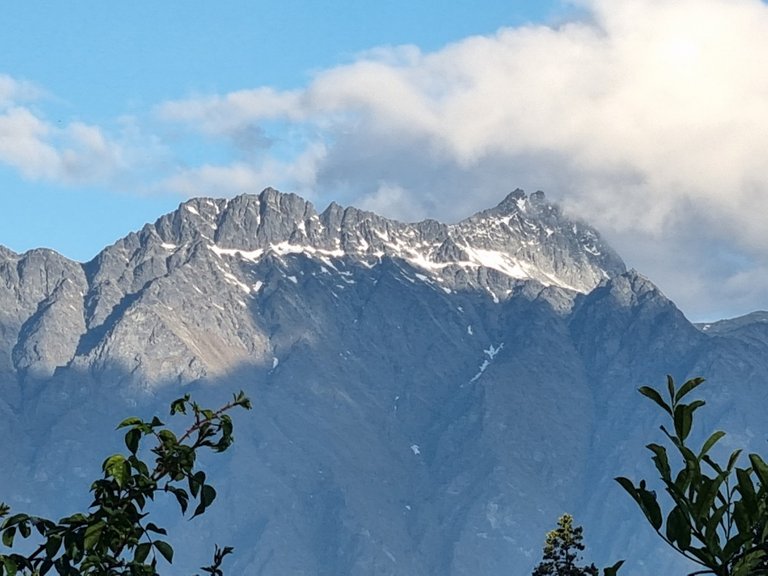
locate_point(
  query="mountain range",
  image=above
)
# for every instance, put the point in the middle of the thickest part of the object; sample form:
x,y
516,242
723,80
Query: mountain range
x,y
428,398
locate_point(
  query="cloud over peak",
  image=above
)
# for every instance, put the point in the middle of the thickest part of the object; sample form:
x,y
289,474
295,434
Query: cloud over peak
x,y
646,117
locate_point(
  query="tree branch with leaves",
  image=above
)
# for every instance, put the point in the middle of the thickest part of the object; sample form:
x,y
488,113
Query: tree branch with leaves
x,y
719,517
114,537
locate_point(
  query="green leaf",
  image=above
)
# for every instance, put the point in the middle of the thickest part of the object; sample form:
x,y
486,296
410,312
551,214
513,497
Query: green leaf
x,y
671,388
132,421
15,519
207,496
24,529
649,392
691,460
708,489
181,496
710,530
142,551
180,405
165,549
167,436
242,400
683,420
132,438
42,525
8,536
138,465
695,405
650,507
688,387
117,467
732,460
52,545
741,517
629,487
747,490
613,570
678,528
712,464
736,544
760,468
151,527
195,482
10,565
92,534
46,566
711,441
750,565
75,519
661,460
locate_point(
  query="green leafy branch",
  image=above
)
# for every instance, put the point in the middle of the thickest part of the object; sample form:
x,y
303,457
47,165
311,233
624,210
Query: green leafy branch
x,y
114,536
719,518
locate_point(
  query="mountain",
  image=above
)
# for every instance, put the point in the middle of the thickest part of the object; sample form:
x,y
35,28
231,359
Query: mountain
x,y
428,398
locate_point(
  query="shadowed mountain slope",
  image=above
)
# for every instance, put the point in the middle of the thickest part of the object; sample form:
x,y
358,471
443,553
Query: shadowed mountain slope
x,y
428,398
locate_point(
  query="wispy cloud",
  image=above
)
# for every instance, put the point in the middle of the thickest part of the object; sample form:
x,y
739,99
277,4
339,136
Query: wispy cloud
x,y
13,90
241,177
75,153
221,115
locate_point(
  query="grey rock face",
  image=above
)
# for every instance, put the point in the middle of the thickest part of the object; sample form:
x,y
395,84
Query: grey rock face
x,y
521,239
429,398
41,312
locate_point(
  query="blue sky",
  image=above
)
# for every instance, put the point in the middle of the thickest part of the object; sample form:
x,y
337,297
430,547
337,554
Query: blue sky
x,y
645,117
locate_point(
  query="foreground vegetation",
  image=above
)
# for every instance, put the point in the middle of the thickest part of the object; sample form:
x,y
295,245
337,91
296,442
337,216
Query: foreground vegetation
x,y
718,516
719,510
115,536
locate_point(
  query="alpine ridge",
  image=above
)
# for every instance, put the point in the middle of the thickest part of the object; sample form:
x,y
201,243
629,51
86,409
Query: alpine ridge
x,y
522,238
428,397
215,248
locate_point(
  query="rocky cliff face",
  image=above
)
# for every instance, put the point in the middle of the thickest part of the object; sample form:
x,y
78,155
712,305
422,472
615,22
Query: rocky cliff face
x,y
205,264
428,397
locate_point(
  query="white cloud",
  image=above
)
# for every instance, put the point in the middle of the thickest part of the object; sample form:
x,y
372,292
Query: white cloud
x,y
13,90
222,114
644,116
76,153
215,181
23,144
387,198
241,178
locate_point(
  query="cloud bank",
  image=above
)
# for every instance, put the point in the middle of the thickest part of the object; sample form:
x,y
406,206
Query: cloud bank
x,y
648,118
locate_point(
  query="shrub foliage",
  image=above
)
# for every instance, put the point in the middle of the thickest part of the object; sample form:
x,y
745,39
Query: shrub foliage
x,y
719,511
115,537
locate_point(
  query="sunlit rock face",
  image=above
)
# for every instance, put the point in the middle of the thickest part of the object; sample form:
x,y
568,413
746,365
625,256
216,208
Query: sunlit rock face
x,y
428,397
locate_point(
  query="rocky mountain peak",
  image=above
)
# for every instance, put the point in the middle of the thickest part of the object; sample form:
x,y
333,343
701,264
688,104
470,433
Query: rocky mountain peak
x,y
7,254
514,201
523,238
415,385
226,250
518,201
